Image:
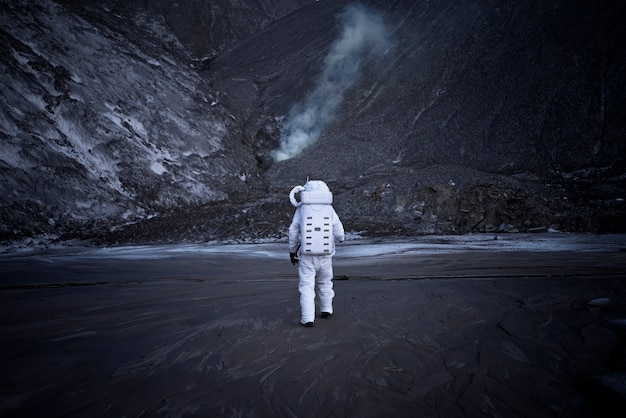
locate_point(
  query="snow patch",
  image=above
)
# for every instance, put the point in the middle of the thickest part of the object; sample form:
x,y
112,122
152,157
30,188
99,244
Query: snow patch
x,y
360,248
157,167
153,62
125,122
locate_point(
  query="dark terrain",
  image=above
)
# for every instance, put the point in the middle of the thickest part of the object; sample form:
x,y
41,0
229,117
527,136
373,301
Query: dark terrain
x,y
156,121
524,326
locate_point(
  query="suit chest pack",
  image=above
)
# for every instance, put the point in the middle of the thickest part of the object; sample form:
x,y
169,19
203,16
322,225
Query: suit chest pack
x,y
316,217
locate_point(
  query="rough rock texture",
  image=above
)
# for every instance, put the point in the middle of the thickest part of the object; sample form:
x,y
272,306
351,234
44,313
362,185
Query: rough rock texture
x,y
155,121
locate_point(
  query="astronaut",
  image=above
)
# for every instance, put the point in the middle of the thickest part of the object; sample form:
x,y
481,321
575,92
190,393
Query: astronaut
x,y
312,234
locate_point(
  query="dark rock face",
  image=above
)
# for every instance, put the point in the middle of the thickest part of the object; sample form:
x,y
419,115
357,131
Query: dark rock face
x,y
503,88
156,121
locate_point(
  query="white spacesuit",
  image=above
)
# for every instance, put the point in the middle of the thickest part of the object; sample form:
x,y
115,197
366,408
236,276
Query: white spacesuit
x,y
313,231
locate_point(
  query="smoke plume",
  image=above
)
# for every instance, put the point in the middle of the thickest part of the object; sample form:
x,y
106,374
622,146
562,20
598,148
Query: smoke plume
x,y
363,33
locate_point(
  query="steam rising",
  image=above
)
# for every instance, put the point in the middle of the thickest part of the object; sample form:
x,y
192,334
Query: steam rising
x,y
363,32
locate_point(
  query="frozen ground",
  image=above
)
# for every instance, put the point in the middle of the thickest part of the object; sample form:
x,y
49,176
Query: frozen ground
x,y
355,250
63,264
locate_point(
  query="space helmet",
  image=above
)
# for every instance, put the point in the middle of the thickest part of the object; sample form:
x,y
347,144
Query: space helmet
x,y
314,192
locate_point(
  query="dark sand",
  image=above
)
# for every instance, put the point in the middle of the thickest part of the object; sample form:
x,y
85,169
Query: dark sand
x,y
464,334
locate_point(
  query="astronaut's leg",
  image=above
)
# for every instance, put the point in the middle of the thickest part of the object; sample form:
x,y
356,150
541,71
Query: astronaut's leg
x,y
325,283
306,271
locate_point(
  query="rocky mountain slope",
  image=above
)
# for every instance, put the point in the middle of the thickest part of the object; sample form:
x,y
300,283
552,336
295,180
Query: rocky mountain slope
x,y
159,121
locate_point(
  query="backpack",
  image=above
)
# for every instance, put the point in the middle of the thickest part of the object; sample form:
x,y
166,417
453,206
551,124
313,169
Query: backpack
x,y
316,229
316,217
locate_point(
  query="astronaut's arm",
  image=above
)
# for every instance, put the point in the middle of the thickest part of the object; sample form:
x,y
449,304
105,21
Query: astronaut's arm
x,y
294,232
338,231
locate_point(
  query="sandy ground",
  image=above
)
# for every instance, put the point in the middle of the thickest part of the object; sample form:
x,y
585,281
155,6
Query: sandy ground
x,y
470,328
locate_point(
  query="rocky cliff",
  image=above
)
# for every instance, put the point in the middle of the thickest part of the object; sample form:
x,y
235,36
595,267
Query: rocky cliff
x,y
159,121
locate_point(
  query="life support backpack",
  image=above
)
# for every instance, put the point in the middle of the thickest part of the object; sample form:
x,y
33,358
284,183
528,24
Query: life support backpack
x,y
316,217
